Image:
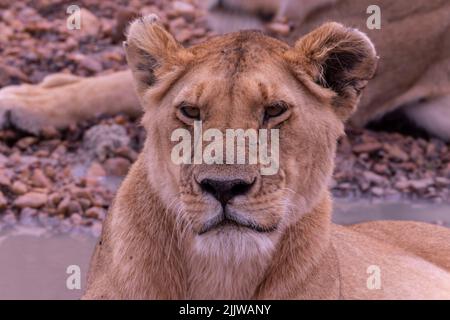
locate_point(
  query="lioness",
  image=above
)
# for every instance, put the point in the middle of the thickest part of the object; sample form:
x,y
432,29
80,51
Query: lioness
x,y
413,73
206,231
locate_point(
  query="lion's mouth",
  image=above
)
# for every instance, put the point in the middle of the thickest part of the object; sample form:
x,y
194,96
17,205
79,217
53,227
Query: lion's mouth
x,y
226,220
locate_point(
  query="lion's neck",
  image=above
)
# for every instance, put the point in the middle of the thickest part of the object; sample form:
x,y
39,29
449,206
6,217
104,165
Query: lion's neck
x,y
218,277
264,271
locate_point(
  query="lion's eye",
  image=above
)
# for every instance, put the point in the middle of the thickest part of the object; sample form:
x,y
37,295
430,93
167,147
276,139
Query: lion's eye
x,y
274,110
190,112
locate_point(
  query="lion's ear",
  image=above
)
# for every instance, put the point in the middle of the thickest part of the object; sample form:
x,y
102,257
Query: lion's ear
x,y
151,51
338,58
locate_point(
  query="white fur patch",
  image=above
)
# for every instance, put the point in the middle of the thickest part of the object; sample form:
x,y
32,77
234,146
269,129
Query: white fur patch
x,y
233,243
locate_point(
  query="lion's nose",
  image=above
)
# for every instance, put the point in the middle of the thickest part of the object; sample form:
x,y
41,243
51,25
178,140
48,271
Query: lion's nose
x,y
225,190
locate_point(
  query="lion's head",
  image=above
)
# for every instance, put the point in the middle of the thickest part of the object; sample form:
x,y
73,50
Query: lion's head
x,y
246,80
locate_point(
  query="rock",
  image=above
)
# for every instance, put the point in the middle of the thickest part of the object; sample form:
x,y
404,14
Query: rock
x,y
421,185
3,159
96,213
9,218
5,177
126,152
402,185
395,153
84,193
7,72
49,132
26,142
198,32
31,199
85,203
91,64
279,28
381,168
74,207
373,177
442,182
55,198
101,140
367,147
117,166
184,35
123,19
377,191
40,180
90,24
177,24
95,174
76,219
183,9
19,187
408,166
96,229
27,214
63,206
3,201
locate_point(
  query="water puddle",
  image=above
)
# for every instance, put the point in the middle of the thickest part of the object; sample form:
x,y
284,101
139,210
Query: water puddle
x,y
33,263
33,260
349,212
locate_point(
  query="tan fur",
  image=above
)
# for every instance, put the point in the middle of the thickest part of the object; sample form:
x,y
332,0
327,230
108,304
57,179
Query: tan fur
x,y
151,245
413,71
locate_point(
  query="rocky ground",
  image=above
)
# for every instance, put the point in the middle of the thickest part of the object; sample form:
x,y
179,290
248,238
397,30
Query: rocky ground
x,y
66,179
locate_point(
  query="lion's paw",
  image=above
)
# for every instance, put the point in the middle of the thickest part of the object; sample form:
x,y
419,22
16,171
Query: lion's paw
x,y
31,108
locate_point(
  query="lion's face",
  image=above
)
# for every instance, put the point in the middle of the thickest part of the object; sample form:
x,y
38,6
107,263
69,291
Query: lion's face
x,y
251,82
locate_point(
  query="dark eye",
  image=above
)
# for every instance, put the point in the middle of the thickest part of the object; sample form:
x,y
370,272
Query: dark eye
x,y
190,111
274,110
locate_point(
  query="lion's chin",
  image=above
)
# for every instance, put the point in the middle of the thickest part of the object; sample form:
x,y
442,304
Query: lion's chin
x,y
234,241
227,225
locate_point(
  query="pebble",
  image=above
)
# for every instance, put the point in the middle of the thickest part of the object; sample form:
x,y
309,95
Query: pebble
x,y
117,166
395,153
421,185
63,206
101,140
5,179
3,201
18,187
367,147
90,24
76,219
31,199
373,177
95,174
96,213
40,180
184,9
377,191
281,29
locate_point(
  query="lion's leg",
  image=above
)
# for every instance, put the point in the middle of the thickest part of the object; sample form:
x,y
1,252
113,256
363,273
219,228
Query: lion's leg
x,y
433,116
61,100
